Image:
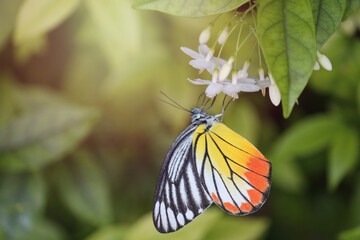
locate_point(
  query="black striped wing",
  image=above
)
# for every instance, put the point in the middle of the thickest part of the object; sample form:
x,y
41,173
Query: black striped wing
x,y
179,196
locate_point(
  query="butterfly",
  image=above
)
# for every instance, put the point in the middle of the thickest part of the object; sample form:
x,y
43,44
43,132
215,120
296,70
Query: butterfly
x,y
209,163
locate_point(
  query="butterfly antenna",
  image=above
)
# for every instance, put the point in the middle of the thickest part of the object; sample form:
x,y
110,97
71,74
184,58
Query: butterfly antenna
x,y
177,104
225,106
205,102
197,103
212,103
170,104
230,100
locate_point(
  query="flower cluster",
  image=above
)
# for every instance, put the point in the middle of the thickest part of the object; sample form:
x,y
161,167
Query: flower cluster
x,y
240,80
225,76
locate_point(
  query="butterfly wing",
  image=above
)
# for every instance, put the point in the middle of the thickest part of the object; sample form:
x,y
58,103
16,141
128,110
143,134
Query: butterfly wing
x,y
179,196
236,175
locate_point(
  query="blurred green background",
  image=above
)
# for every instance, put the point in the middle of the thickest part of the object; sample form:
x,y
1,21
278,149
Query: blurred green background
x,y
82,137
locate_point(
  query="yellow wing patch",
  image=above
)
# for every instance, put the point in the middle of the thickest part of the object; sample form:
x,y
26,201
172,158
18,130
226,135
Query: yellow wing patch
x,y
235,174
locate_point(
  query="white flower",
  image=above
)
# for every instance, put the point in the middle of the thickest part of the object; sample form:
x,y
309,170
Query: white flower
x,y
214,87
324,61
240,82
224,35
274,92
203,59
205,35
242,85
225,69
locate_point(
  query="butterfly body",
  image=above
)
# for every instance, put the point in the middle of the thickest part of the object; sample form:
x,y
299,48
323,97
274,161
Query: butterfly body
x,y
209,163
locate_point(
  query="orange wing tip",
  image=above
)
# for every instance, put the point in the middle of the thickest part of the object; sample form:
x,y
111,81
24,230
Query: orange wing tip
x,y
216,199
245,207
259,182
231,208
259,166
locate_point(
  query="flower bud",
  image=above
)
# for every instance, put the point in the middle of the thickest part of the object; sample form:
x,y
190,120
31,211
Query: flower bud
x,y
205,35
226,68
324,61
274,92
224,35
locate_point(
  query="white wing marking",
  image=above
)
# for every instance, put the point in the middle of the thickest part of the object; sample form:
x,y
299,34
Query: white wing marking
x,y
164,220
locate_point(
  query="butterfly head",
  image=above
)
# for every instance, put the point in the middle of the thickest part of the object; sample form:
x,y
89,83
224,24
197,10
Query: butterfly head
x,y
200,117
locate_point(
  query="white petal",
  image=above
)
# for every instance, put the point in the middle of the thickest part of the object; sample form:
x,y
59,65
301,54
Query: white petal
x,y
242,74
246,66
261,74
209,55
275,96
191,53
264,83
317,66
203,49
221,61
200,81
247,80
240,87
213,89
230,90
249,87
200,64
234,77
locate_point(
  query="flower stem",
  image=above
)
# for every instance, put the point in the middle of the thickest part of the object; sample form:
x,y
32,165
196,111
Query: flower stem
x,y
222,46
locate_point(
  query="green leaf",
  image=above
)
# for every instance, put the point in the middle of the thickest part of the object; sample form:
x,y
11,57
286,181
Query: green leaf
x,y
352,234
327,16
22,198
245,121
354,208
110,19
212,224
30,48
351,7
8,10
144,228
358,98
343,155
230,228
84,190
47,129
306,137
7,99
37,17
44,229
194,8
109,233
287,37
287,175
